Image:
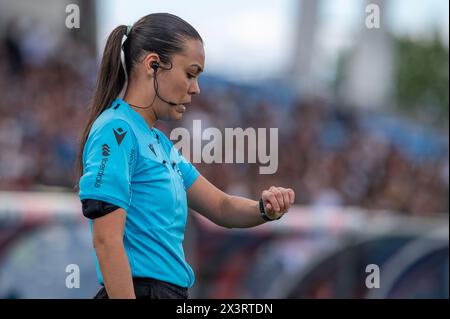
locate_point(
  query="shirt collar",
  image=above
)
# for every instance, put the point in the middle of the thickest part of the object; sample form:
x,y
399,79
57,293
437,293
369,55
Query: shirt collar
x,y
135,116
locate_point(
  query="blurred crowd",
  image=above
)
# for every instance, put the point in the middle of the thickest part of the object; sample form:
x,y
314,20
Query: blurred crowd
x,y
330,155
45,88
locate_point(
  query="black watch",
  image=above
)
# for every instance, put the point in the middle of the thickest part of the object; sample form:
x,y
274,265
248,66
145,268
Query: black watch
x,y
262,211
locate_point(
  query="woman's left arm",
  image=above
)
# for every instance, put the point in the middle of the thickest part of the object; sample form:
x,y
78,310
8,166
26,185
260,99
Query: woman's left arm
x,y
235,211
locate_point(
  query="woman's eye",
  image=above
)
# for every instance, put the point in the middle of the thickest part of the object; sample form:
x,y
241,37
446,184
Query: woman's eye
x,y
190,76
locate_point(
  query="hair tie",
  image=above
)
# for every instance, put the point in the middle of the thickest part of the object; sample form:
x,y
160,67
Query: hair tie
x,y
128,30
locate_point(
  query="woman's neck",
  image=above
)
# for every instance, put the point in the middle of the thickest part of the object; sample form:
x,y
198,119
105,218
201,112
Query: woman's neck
x,y
141,106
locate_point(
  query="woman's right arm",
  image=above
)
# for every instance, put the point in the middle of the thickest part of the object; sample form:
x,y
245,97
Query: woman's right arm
x,y
108,166
108,243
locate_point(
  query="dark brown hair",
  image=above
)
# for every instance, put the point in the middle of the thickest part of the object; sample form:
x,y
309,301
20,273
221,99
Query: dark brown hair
x,y
162,33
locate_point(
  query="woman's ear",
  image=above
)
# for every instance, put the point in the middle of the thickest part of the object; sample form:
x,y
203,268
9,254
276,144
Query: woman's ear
x,y
150,61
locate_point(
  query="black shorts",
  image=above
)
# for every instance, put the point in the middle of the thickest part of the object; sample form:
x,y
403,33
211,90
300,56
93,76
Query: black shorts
x,y
148,288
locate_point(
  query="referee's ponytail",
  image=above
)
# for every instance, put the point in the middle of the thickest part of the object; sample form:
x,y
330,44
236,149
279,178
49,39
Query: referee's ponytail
x,y
162,33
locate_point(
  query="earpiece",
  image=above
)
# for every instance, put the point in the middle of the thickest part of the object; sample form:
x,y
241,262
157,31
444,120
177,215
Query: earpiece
x,y
154,65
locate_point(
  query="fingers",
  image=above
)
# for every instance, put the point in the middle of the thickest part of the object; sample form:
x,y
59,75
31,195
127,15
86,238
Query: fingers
x,y
279,196
278,199
287,202
269,196
291,195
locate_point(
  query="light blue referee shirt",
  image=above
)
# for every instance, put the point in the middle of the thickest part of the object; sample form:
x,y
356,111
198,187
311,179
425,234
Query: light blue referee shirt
x,y
128,164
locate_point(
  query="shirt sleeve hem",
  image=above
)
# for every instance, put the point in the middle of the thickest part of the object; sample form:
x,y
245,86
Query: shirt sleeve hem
x,y
191,178
107,199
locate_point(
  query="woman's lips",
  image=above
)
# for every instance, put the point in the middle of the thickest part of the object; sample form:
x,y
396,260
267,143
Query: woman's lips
x,y
182,107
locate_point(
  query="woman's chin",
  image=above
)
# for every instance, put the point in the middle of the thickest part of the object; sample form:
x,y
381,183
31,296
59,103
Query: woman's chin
x,y
176,116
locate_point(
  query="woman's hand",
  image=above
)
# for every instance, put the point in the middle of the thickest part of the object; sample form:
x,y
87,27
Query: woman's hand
x,y
277,201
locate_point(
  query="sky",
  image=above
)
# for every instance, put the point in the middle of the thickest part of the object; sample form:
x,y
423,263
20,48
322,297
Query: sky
x,y
252,39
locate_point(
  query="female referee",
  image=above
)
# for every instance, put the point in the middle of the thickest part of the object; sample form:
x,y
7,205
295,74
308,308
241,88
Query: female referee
x,y
134,185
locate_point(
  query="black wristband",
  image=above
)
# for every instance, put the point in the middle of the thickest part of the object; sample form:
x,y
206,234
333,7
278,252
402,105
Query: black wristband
x,y
262,211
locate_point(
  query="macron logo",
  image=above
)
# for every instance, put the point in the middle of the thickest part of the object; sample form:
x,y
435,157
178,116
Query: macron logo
x,y
119,134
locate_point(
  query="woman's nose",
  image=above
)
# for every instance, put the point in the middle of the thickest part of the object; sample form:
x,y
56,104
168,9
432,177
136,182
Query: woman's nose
x,y
194,89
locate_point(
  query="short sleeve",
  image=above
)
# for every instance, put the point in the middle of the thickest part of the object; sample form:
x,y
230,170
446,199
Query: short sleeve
x,y
108,164
189,172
